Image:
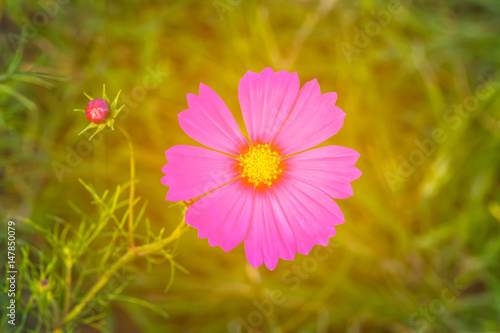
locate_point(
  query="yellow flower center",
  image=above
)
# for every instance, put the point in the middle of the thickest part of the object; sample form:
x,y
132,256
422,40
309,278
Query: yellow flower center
x,y
260,165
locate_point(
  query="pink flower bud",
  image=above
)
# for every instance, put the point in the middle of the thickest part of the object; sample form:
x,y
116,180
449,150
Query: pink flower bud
x,y
97,110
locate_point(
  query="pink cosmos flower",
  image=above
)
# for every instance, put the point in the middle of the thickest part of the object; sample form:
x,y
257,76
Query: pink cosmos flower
x,y
272,190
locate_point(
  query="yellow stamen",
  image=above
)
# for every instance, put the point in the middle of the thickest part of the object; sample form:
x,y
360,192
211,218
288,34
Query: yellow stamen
x,y
260,165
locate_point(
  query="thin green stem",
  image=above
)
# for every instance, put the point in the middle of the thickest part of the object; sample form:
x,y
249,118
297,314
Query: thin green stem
x,y
132,186
67,294
131,254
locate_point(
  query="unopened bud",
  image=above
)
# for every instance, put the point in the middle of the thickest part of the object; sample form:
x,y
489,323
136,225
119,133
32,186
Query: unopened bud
x,y
97,110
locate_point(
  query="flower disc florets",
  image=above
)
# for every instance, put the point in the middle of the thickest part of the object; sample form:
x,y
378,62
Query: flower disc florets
x,y
260,165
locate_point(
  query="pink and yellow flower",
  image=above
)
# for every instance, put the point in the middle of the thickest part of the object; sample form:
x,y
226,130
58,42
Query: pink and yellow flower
x,y
270,189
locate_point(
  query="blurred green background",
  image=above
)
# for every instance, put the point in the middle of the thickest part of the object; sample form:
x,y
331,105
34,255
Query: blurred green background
x,y
419,81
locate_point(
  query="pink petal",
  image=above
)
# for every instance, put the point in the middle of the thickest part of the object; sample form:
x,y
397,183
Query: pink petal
x,y
192,171
265,99
223,215
310,212
209,121
313,119
269,235
330,168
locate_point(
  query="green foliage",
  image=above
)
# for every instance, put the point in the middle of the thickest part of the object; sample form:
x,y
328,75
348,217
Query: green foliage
x,y
57,277
67,282
13,76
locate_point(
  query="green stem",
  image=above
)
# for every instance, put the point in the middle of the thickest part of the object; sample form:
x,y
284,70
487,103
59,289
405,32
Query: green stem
x,y
132,186
131,254
67,293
